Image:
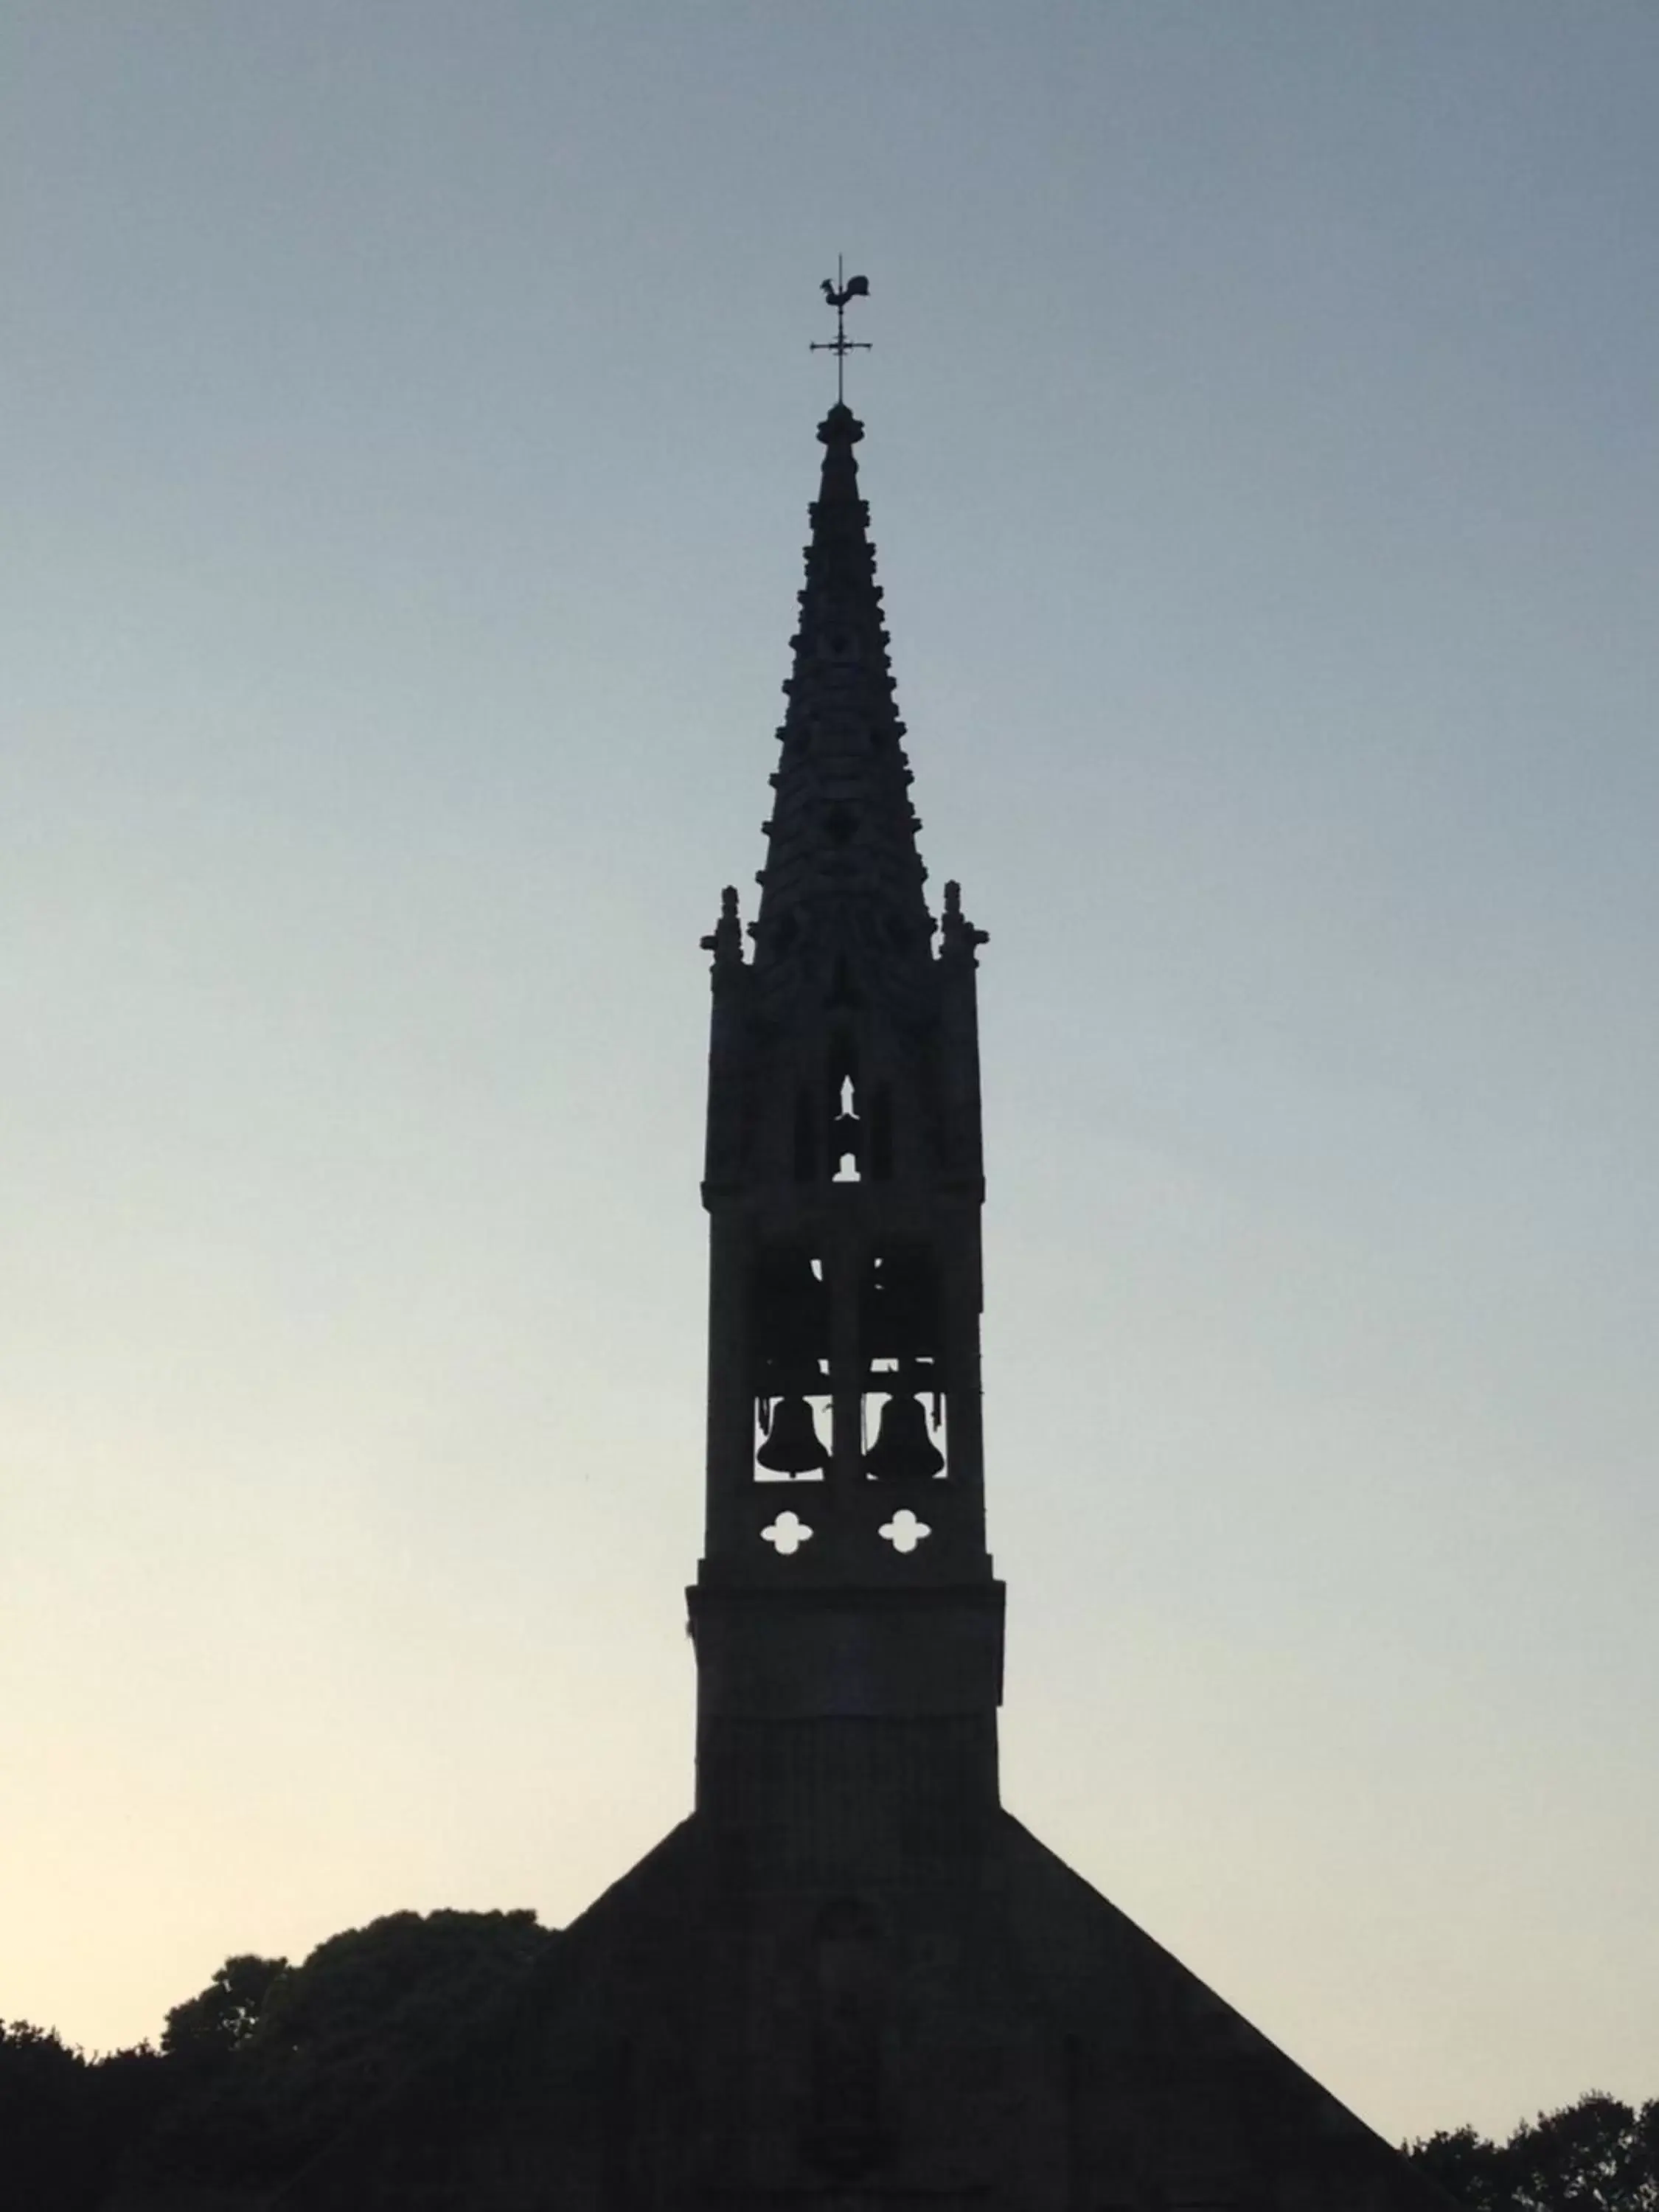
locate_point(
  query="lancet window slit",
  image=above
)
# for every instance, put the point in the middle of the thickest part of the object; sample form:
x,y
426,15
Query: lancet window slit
x,y
846,1146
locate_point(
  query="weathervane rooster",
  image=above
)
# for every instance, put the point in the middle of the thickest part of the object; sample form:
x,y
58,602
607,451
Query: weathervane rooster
x,y
838,291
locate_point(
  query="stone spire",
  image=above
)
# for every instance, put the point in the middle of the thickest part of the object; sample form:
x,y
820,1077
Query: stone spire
x,y
842,908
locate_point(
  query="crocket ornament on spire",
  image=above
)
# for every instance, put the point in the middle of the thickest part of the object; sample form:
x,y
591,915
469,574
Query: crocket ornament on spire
x,y
838,291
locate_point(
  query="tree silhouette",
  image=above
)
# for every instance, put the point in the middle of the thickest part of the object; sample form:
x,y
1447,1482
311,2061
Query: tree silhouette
x,y
65,2121
226,2013
258,2071
1597,2155
270,2061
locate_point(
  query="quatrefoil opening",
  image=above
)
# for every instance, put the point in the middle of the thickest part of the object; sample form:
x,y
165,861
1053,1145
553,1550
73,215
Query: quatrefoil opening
x,y
787,1534
904,1531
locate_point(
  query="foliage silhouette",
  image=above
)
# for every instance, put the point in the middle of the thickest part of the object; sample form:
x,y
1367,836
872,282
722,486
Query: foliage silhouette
x,y
224,2016
1597,2155
65,2121
258,2071
329,2038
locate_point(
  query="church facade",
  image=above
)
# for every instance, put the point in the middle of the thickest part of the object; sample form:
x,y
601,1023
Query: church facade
x,y
850,1980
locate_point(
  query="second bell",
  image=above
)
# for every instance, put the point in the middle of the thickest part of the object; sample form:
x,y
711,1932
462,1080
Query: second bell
x,y
903,1451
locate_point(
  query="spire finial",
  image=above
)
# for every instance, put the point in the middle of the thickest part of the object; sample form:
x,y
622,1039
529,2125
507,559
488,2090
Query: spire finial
x,y
838,291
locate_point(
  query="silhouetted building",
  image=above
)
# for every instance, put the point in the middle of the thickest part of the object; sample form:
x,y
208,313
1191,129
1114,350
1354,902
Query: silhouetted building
x,y
850,1980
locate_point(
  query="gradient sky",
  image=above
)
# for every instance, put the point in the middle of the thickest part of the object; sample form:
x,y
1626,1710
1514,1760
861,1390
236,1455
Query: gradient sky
x,y
407,434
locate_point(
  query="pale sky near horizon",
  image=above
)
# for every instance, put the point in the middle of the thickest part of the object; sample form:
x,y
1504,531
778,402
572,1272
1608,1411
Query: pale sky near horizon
x,y
406,441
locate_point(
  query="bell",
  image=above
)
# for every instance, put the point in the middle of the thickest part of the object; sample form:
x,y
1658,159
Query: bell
x,y
792,1445
903,1451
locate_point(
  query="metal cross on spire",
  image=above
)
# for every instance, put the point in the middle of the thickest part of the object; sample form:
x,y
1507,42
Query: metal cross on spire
x,y
838,291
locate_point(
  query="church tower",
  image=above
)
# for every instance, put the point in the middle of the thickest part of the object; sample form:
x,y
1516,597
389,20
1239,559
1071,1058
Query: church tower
x,y
849,1981
848,1624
